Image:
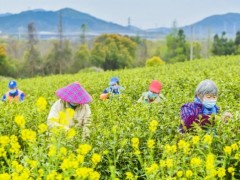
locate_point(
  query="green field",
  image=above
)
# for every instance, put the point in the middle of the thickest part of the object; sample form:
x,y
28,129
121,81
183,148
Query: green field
x,y
118,124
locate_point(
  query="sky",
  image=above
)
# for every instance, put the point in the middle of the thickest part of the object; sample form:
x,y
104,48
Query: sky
x,y
144,14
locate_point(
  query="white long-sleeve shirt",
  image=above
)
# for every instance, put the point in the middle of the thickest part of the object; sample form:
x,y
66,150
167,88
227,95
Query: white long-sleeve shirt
x,y
81,116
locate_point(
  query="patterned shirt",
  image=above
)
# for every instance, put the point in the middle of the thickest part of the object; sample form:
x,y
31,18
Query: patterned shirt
x,y
193,113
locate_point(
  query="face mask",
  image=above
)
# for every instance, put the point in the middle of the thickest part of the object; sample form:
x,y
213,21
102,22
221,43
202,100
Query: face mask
x,y
73,104
209,103
152,95
12,91
114,87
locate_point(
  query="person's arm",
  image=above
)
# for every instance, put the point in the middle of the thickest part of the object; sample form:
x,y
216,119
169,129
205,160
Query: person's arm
x,y
22,96
4,98
86,121
54,114
190,116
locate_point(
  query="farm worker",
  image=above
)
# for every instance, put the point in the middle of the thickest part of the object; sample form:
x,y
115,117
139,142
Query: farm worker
x,y
13,94
204,105
113,89
74,100
154,94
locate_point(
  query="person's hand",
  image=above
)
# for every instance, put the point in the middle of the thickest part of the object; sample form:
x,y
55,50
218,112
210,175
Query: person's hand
x,y
226,116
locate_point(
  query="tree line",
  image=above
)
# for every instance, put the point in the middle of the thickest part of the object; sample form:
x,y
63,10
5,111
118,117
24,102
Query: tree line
x,y
107,52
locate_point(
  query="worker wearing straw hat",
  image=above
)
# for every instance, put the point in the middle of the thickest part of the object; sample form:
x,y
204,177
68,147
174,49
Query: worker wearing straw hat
x,y
74,100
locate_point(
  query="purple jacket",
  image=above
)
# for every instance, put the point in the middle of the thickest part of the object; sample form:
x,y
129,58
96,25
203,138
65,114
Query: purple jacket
x,y
193,112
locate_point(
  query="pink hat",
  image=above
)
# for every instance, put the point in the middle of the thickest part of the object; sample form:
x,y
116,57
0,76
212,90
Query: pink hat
x,y
74,93
155,86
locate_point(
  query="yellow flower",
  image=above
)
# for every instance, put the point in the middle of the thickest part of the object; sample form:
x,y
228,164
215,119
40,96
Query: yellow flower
x,y
2,152
94,175
195,139
207,139
135,143
83,149
169,163
83,172
231,170
40,172
152,169
137,152
221,172
196,161
28,135
15,147
33,164
66,164
189,173
5,176
179,174
183,144
80,158
52,151
71,133
150,143
129,175
4,140
42,128
52,175
228,150
20,121
70,113
96,158
153,125
41,104
63,151
210,161
234,146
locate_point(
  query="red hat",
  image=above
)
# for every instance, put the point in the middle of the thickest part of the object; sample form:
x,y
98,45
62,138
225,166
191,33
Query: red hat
x,y
155,86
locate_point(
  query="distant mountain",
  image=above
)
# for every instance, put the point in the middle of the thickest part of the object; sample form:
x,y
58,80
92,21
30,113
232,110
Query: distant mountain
x,y
48,21
230,23
5,14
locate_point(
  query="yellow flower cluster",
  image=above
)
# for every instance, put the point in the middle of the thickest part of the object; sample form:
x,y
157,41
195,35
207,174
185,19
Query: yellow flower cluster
x,y
152,169
170,149
89,173
135,145
96,158
41,104
129,176
228,150
195,139
153,125
20,121
207,139
150,143
83,149
71,133
28,135
42,128
196,161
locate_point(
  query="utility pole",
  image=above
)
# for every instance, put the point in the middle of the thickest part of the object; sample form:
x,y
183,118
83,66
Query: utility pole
x,y
60,30
191,44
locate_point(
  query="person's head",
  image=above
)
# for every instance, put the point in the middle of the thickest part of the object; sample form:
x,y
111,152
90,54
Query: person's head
x,y
12,85
74,94
114,81
154,89
207,92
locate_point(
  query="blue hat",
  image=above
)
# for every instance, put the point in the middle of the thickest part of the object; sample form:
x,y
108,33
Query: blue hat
x,y
12,84
114,80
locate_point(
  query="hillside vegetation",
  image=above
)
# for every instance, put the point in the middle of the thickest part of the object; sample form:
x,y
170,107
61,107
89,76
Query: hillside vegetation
x,y
128,140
